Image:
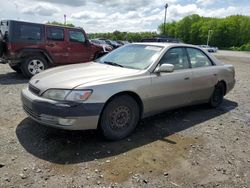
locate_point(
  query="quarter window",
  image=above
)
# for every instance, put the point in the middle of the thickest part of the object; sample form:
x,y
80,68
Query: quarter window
x,y
30,32
76,36
198,58
56,34
176,57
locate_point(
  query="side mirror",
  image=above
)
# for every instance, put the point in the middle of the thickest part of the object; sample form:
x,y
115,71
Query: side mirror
x,y
165,68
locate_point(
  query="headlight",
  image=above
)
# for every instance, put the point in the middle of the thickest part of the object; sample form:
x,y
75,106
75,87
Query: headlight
x,y
79,95
67,95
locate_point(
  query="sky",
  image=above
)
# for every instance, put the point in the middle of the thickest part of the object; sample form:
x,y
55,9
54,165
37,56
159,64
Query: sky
x,y
123,15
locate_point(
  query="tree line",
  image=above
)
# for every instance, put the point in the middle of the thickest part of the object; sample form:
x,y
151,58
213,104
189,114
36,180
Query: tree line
x,y
232,31
127,36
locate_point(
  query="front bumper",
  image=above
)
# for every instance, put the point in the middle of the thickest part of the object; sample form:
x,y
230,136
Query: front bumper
x,y
63,115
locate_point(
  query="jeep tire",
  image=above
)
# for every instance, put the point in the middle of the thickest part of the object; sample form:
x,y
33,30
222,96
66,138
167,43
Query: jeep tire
x,y
33,65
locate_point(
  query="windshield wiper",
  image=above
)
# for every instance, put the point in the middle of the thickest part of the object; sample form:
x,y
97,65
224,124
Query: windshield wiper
x,y
112,63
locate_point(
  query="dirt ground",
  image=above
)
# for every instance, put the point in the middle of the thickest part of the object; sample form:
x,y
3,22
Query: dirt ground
x,y
188,147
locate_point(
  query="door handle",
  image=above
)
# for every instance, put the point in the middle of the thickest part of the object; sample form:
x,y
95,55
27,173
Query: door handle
x,y
187,78
215,74
50,45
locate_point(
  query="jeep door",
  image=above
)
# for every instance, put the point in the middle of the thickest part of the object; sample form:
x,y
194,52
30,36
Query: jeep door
x,y
79,50
170,90
56,44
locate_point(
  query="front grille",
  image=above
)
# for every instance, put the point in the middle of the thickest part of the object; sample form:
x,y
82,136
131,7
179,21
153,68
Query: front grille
x,y
34,90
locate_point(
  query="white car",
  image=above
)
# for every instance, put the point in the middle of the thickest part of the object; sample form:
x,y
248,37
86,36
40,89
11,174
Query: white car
x,y
209,48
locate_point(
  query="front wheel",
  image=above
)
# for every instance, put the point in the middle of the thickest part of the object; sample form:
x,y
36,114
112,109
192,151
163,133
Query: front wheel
x,y
217,96
33,65
119,118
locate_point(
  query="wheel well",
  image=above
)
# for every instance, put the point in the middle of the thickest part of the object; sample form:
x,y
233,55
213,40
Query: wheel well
x,y
131,94
225,86
37,53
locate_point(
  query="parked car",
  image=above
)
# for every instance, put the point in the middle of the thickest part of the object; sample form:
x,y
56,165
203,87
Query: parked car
x,y
114,44
122,42
106,47
209,48
31,48
133,82
161,39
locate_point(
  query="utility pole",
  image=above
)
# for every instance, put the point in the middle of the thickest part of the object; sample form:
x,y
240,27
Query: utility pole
x,y
65,17
165,18
208,37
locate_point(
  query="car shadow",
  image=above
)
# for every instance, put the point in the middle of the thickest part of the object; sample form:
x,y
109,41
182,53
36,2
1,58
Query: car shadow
x,y
71,147
12,78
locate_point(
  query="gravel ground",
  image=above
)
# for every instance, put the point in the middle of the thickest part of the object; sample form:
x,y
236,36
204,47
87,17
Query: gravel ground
x,y
188,147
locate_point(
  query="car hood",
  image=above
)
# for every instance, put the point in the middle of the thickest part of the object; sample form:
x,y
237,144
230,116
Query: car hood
x,y
71,76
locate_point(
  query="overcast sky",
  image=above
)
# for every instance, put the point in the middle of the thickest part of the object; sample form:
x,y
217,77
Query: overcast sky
x,y
122,15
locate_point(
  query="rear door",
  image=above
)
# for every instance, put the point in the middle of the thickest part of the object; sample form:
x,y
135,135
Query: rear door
x,y
204,75
56,44
79,49
171,90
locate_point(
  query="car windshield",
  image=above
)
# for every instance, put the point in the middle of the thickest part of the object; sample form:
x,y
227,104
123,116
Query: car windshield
x,y
132,56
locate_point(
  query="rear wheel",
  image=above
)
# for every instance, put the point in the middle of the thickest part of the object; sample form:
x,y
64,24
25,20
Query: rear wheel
x,y
33,65
119,118
16,68
218,95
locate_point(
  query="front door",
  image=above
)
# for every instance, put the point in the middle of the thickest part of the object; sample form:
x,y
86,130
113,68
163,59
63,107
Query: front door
x,y
170,90
78,49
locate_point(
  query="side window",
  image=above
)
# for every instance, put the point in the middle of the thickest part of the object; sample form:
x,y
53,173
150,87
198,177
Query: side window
x,y
198,58
176,57
76,36
56,34
30,32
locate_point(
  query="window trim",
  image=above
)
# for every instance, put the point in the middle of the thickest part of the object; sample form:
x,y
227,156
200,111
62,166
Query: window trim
x,y
74,30
186,49
49,39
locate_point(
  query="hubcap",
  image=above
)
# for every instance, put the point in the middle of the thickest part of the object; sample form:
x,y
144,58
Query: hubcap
x,y
35,66
120,118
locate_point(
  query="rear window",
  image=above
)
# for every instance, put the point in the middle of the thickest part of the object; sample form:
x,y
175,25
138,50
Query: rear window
x,y
25,32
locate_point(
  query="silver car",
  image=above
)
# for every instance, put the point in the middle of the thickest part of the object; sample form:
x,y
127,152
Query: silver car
x,y
133,82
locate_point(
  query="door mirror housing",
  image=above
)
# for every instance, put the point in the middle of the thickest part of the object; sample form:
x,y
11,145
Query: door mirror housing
x,y
165,68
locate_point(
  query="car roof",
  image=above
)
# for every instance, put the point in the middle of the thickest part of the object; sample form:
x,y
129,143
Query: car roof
x,y
165,44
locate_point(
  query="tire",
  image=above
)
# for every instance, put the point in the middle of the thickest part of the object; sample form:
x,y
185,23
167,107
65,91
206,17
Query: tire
x,y
119,118
218,95
33,65
16,68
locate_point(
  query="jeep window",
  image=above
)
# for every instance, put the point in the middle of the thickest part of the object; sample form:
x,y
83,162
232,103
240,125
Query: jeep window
x,y
56,34
76,36
30,32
